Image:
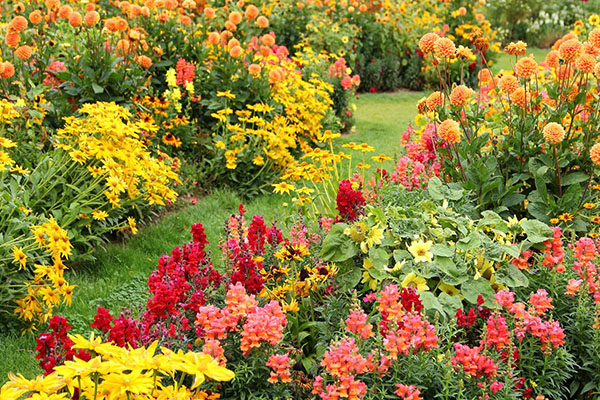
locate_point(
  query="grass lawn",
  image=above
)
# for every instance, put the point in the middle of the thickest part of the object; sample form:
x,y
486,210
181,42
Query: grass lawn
x,y
118,277
381,118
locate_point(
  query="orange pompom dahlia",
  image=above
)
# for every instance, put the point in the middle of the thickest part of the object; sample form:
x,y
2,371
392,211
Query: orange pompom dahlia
x,y
18,24
526,67
520,97
254,69
235,18
484,75
553,133
508,83
460,96
595,153
91,18
8,71
12,39
35,17
235,51
444,48
552,59
262,22
570,50
23,52
586,63
251,11
268,40
75,19
594,37
427,41
65,12
449,130
435,100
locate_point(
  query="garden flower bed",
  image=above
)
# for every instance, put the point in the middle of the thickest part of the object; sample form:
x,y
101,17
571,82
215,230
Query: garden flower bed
x,y
458,262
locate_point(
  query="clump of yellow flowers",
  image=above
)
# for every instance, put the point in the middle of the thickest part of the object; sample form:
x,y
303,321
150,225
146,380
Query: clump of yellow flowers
x,y
118,373
48,286
265,135
109,144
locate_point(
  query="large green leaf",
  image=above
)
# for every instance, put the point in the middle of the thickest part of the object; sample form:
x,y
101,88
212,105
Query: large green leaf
x,y
574,177
337,247
473,288
511,276
442,250
536,231
348,275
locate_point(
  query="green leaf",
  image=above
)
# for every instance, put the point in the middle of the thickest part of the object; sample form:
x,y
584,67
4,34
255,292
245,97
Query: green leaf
x,y
308,363
468,243
511,276
337,247
97,88
573,178
400,255
540,183
348,275
379,257
473,288
441,250
536,231
450,304
513,200
537,210
435,189
453,274
430,302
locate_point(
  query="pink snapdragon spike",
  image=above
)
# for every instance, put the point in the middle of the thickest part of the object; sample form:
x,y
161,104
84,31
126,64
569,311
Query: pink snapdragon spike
x,y
408,392
497,334
554,254
185,72
280,364
530,319
357,324
472,362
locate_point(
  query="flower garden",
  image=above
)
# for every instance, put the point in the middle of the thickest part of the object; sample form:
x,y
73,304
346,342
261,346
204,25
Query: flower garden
x,y
314,199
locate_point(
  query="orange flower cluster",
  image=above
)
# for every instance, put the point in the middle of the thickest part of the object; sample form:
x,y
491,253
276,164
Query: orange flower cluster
x,y
242,314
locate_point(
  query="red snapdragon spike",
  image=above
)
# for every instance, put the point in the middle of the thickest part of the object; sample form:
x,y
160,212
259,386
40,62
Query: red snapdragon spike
x,y
102,320
54,348
349,202
257,235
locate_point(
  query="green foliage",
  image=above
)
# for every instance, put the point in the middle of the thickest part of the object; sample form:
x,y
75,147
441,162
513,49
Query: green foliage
x,y
464,255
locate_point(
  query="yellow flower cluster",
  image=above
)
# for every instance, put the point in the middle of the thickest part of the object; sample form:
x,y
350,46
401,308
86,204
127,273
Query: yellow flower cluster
x,y
109,144
7,114
8,111
582,28
253,131
118,373
48,285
